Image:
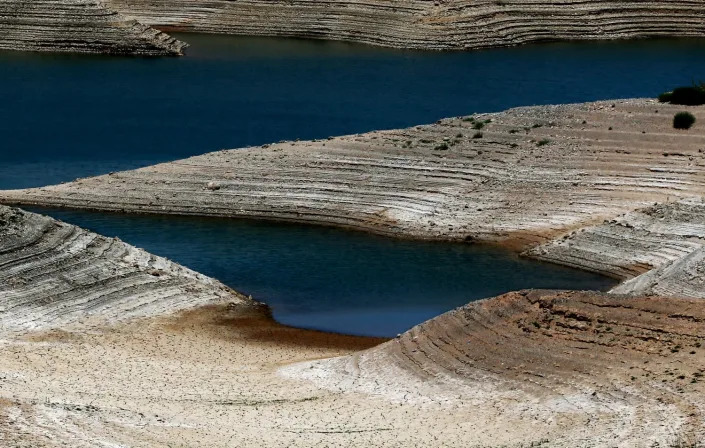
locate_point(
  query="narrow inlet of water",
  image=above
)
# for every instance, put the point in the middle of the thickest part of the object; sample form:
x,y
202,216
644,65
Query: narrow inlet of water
x,y
335,280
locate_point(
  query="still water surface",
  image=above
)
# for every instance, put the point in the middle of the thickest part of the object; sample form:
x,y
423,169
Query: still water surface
x,y
68,116
332,279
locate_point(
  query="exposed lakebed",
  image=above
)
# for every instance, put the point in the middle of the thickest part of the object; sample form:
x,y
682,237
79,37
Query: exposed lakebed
x,y
71,116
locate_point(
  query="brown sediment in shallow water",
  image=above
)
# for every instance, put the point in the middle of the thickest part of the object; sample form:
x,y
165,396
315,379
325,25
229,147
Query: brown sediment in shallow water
x,y
255,323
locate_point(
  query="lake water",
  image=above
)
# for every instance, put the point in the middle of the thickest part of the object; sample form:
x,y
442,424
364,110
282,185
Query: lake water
x,y
332,279
68,116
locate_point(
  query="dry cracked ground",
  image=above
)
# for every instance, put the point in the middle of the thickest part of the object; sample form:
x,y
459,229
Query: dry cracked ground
x,y
106,345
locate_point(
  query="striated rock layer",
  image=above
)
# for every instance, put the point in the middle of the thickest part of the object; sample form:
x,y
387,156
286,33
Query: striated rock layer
x,y
633,243
84,26
618,364
426,24
519,177
53,274
683,277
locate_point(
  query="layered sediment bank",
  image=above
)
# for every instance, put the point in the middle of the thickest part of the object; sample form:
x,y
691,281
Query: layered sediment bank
x,y
79,26
54,274
453,24
631,244
558,369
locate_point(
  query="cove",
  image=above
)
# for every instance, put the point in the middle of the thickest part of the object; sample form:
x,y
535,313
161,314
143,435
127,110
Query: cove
x,y
68,116
331,279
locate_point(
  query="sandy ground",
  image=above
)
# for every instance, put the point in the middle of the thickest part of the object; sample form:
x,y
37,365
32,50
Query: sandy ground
x,y
209,378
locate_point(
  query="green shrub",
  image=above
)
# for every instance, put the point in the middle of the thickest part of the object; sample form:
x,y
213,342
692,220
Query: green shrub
x,y
683,120
665,97
687,96
478,125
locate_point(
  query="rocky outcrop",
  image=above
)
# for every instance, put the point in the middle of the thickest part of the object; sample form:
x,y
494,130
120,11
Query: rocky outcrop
x,y
83,26
451,24
683,277
519,177
610,359
54,274
633,243
659,250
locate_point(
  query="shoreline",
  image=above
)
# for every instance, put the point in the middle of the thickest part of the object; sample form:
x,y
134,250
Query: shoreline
x,y
75,27
136,27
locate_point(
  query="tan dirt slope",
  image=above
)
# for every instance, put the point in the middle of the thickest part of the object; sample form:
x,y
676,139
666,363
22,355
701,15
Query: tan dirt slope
x,y
81,26
425,24
610,366
632,243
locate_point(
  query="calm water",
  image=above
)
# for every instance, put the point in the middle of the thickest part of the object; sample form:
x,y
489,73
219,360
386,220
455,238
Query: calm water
x,y
67,116
331,279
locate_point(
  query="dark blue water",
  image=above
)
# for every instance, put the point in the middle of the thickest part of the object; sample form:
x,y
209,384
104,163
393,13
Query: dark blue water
x,y
332,279
67,116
